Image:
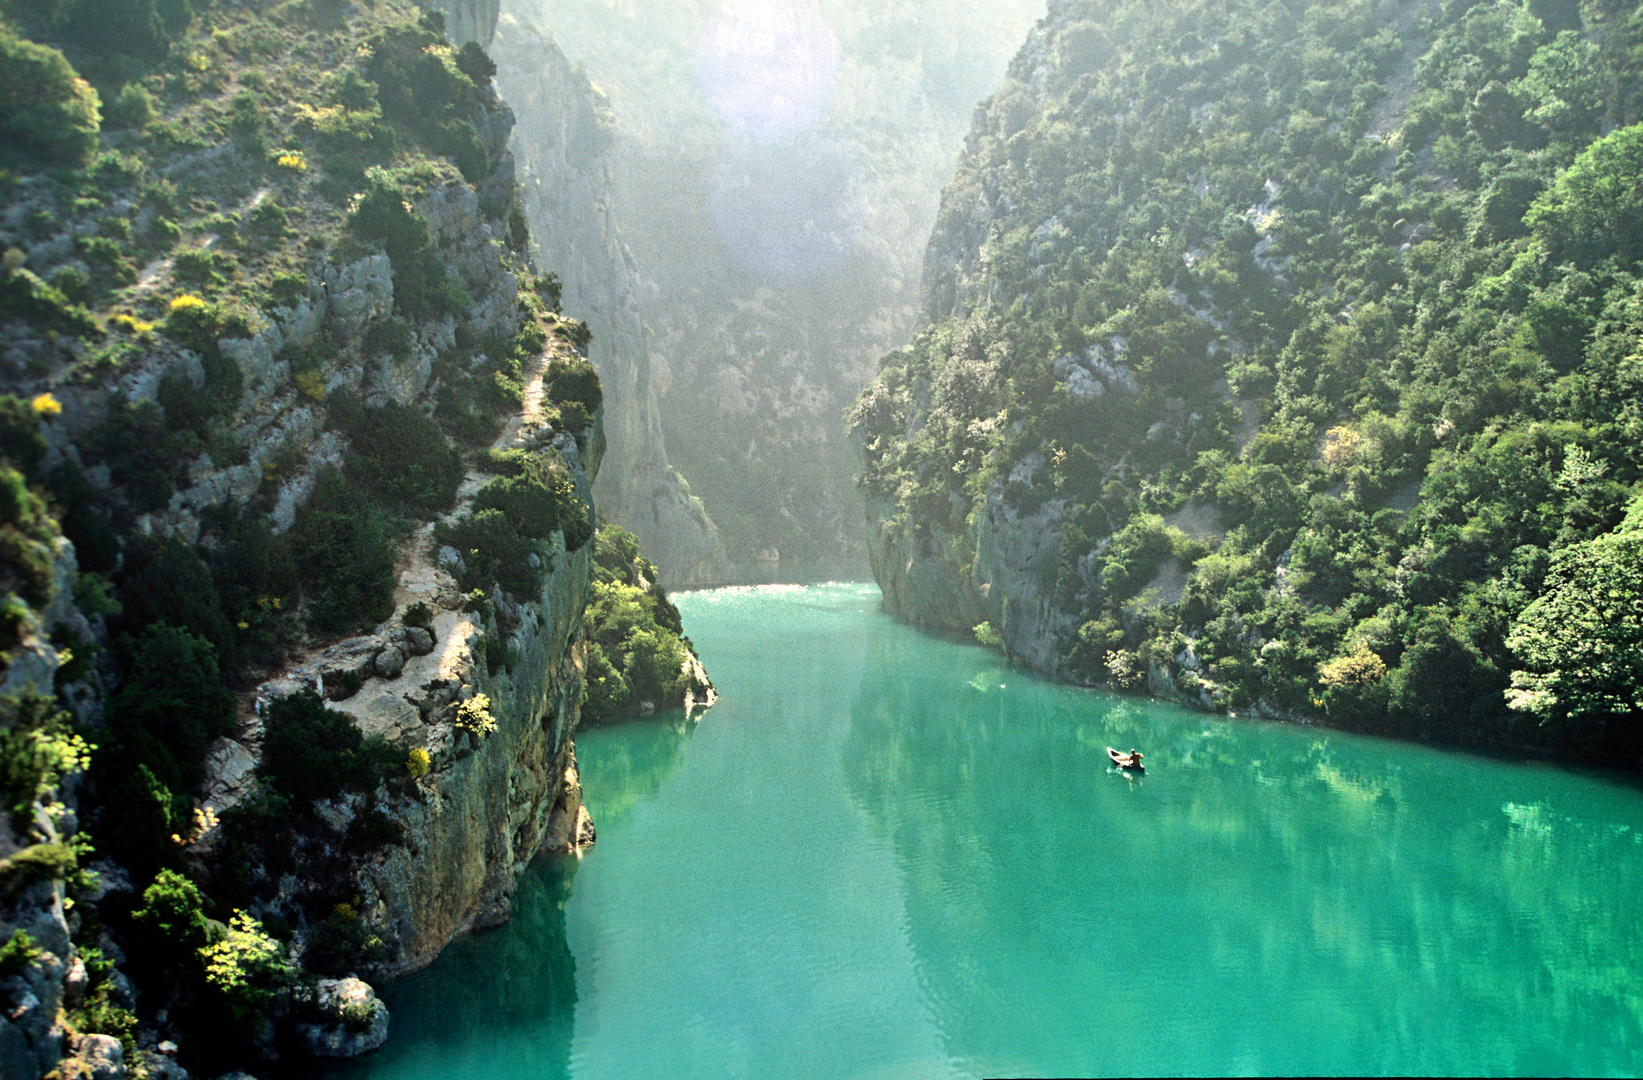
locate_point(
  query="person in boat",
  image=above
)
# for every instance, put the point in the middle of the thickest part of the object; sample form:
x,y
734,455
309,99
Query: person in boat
x,y
1131,760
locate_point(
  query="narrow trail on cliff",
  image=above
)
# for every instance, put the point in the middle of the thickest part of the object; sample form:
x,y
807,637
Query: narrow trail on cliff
x,y
381,707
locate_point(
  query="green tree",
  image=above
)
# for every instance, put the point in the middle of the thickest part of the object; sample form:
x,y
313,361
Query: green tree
x,y
1594,209
1581,640
47,112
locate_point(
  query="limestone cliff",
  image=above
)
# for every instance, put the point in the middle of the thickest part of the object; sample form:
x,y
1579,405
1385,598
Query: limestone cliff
x,y
564,143
253,305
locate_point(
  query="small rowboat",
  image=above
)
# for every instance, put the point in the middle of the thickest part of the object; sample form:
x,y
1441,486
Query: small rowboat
x,y
1130,761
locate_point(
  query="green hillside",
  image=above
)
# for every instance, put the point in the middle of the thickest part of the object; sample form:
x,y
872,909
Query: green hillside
x,y
1311,334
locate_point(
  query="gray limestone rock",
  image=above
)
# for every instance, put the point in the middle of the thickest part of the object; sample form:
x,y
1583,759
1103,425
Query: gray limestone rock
x,y
354,1020
94,1057
451,559
389,663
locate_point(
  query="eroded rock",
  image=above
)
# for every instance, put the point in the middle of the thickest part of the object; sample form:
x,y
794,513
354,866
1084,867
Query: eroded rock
x,y
353,1020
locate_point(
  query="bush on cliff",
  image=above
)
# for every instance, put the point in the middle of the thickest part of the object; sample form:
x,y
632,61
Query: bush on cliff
x,y
636,651
171,704
311,751
345,551
47,112
398,454
538,497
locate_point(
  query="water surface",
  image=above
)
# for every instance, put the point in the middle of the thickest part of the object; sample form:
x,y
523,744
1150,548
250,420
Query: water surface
x,y
889,855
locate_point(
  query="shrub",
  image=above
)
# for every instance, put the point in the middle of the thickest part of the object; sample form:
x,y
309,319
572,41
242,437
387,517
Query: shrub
x,y
492,551
475,63
37,749
27,541
18,953
167,581
21,442
140,453
345,552
537,499
632,657
37,862
474,716
140,816
399,454
310,751
248,967
173,912
47,112
341,944
575,381
173,695
417,763
25,296
131,107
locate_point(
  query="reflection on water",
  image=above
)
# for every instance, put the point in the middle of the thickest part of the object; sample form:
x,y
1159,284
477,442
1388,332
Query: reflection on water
x,y
1265,899
885,854
630,769
496,1004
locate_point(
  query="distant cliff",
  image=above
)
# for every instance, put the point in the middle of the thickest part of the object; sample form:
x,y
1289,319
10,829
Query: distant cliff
x,y
564,143
774,255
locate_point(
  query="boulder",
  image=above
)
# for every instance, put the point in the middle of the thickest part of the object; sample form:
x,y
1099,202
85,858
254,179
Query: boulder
x,y
390,662
95,1057
352,1020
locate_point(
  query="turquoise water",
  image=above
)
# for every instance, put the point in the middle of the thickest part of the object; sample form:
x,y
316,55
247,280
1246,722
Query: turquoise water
x,y
889,855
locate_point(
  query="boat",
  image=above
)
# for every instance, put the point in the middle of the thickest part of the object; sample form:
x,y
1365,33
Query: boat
x,y
1130,761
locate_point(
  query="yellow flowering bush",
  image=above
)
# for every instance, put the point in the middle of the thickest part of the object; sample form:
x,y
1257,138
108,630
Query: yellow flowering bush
x,y
46,405
131,325
475,715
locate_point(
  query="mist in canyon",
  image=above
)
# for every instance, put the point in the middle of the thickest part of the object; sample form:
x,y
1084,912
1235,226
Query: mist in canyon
x,y
740,213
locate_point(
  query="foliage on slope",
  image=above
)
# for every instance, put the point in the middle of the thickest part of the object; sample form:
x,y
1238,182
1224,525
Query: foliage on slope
x,y
638,656
1366,289
187,175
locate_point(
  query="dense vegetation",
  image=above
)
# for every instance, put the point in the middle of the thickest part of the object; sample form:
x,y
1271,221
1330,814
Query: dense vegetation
x,y
186,175
637,651
1316,335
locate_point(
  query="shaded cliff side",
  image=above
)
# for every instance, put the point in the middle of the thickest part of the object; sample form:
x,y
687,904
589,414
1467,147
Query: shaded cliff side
x,y
564,143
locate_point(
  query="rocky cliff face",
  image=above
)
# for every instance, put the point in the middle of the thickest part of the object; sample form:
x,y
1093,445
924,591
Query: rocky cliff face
x,y
776,246
468,20
564,143
302,310
488,803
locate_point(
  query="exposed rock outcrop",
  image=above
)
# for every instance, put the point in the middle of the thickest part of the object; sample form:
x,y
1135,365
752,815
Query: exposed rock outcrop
x,y
355,1021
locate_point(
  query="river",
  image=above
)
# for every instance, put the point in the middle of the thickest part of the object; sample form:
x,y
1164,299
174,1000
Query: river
x,y
885,854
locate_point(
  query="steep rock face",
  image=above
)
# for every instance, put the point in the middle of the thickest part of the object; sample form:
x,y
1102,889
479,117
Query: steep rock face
x,y
1000,569
564,142
779,249
468,20
32,1036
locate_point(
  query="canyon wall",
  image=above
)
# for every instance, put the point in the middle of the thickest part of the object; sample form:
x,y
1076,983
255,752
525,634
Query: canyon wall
x,y
564,142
